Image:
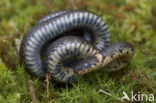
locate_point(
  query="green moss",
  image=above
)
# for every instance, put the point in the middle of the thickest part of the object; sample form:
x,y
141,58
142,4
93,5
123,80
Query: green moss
x,y
9,92
130,20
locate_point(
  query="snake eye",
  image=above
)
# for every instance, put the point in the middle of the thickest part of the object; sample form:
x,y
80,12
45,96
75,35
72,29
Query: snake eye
x,y
86,66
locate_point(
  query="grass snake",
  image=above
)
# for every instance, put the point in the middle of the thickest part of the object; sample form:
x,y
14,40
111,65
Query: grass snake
x,y
69,43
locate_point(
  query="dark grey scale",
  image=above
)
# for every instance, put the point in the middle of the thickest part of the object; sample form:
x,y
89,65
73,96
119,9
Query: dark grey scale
x,y
68,52
118,62
104,30
43,37
95,60
56,57
58,65
30,64
84,46
120,51
106,45
112,55
115,66
44,48
132,49
55,73
88,50
127,52
38,70
100,48
35,48
31,53
78,20
71,78
99,27
103,60
63,24
67,71
106,42
50,59
62,75
104,37
71,52
62,56
33,60
125,61
76,50
33,36
53,32
57,69
87,20
96,42
39,40
90,22
58,26
79,48
70,23
94,22
48,35
84,20
40,73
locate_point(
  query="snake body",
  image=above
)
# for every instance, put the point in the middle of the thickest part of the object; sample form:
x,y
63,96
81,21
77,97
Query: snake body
x,y
71,42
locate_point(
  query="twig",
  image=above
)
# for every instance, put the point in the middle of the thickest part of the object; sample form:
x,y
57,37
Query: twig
x,y
32,91
148,82
73,4
102,91
47,86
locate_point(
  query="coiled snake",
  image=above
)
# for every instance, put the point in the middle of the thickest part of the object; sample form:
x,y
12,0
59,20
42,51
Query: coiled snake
x,y
71,42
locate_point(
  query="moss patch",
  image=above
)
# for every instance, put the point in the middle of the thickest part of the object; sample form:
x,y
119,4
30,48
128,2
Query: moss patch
x,y
128,20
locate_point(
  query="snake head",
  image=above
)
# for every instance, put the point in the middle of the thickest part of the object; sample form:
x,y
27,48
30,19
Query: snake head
x,y
88,65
